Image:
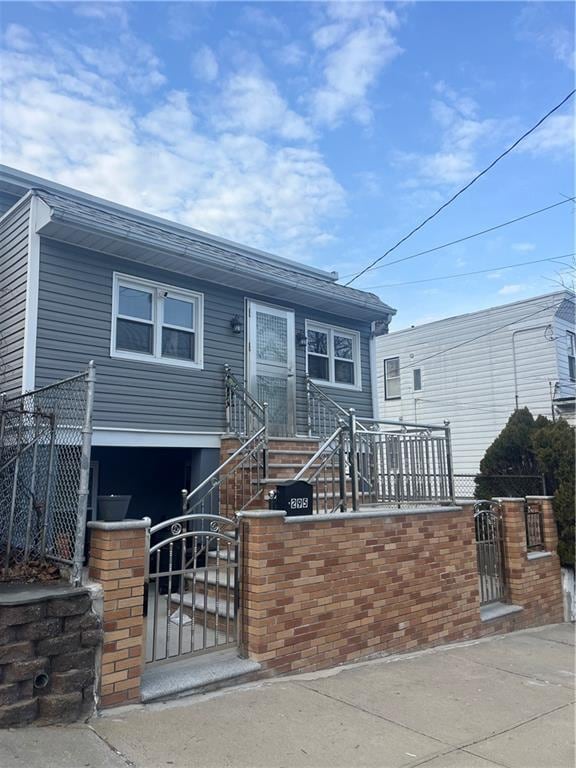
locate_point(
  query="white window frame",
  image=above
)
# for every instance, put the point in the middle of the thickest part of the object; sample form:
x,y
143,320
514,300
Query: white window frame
x,y
399,377
330,330
159,291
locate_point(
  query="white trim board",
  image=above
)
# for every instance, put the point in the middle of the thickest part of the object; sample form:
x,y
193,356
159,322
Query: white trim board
x,y
39,212
141,438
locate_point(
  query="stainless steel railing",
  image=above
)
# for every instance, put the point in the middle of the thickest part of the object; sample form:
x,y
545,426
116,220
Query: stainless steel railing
x,y
234,484
380,462
244,414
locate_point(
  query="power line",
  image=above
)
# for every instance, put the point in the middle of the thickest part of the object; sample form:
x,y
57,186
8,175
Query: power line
x,y
475,272
469,237
467,186
481,336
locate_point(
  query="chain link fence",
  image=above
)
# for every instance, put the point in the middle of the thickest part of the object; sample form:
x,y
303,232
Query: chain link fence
x,y
45,439
489,486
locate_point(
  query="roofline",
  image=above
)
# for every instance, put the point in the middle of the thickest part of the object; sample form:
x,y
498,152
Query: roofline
x,y
27,181
568,294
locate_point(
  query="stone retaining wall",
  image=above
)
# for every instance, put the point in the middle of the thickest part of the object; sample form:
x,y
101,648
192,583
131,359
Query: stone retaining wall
x,y
49,636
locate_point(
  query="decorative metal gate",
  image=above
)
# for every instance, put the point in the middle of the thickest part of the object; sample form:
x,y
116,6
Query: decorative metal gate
x,y
490,551
192,600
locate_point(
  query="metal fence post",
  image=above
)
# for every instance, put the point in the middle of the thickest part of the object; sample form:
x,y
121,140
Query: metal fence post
x,y
49,485
353,460
342,467
227,398
84,487
544,489
449,460
265,417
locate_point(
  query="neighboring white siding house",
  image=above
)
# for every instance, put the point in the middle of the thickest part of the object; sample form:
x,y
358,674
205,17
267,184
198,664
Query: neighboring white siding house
x,y
474,369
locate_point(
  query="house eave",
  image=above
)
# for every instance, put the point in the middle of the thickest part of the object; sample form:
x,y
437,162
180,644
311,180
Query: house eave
x,y
194,258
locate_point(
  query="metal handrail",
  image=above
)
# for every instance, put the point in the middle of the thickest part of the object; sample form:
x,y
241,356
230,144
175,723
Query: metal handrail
x,y
318,453
235,387
315,390
211,477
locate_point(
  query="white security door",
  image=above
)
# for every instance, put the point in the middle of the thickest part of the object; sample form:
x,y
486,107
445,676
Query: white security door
x,y
271,352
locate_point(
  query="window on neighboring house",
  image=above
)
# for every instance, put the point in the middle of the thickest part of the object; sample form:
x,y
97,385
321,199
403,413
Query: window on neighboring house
x,y
156,322
571,341
333,355
417,379
392,378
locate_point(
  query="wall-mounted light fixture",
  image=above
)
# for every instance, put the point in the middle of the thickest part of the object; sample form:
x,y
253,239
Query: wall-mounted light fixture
x,y
301,339
236,324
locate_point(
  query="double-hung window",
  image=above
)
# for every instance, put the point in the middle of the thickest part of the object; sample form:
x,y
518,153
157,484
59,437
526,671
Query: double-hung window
x,y
156,323
333,355
392,378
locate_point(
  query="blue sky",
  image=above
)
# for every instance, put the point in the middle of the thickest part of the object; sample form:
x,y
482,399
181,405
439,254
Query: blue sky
x,y
322,132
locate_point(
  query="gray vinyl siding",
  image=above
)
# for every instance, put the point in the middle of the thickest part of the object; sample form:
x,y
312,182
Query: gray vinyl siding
x,y
13,275
7,200
74,325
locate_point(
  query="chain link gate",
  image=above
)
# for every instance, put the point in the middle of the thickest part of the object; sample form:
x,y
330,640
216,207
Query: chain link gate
x,y
192,596
45,442
490,552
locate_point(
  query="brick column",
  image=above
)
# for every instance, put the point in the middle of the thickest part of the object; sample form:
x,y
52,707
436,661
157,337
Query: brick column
x,y
117,561
262,532
515,550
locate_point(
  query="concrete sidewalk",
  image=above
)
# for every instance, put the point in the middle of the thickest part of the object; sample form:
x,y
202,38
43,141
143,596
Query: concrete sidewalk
x,y
505,701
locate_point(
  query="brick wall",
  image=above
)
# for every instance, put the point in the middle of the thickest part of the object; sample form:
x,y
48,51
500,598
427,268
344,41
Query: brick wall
x,y
48,640
321,591
117,561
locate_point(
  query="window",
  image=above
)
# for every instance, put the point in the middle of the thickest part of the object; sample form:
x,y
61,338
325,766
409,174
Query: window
x,y
392,378
571,341
333,355
417,379
157,323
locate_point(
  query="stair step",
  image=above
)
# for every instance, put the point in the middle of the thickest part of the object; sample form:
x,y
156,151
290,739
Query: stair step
x,y
212,577
197,603
282,465
208,671
292,452
223,554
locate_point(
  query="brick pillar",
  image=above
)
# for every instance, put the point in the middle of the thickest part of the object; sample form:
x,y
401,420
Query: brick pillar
x,y
262,532
117,561
514,532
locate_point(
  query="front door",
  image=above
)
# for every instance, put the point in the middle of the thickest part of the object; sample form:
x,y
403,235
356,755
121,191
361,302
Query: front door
x,y
271,365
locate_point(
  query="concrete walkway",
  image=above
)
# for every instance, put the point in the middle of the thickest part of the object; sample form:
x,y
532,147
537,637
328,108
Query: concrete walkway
x,y
505,701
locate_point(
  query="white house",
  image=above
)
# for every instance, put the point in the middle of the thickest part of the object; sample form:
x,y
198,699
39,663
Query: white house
x,y
475,369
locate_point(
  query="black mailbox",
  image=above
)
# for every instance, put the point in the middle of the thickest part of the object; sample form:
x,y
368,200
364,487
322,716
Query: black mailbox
x,y
295,498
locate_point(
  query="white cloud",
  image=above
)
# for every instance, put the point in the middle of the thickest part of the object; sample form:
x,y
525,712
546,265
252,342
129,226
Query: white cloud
x,y
357,43
539,25
462,133
250,102
205,64
67,117
18,37
494,275
523,247
556,136
107,11
291,54
512,289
